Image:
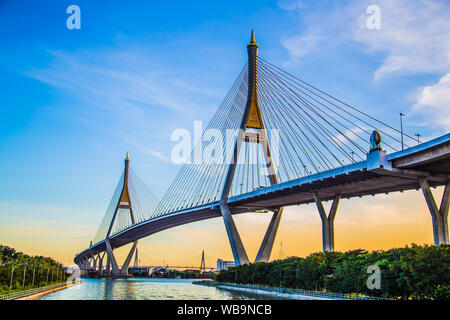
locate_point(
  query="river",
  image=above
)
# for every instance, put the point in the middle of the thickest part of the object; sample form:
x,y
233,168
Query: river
x,y
145,289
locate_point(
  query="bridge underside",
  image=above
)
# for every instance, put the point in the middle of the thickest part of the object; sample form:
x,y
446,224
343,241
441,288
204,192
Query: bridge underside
x,y
412,167
349,185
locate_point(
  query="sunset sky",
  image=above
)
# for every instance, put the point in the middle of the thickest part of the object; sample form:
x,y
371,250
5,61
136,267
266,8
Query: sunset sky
x,y
75,101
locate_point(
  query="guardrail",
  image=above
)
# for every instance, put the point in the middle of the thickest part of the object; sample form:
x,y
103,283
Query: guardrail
x,y
29,292
310,293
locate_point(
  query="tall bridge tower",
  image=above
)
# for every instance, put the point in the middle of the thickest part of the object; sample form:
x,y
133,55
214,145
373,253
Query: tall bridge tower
x,y
202,264
252,130
124,203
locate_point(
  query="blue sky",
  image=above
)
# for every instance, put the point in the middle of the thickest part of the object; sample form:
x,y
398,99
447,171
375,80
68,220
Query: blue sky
x,y
74,101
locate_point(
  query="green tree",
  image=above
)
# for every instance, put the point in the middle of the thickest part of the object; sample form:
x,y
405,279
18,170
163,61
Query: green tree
x,y
416,272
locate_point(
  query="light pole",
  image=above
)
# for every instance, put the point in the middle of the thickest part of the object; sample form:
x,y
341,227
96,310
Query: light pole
x,y
418,138
280,279
24,271
401,128
12,274
296,278
279,275
34,270
39,276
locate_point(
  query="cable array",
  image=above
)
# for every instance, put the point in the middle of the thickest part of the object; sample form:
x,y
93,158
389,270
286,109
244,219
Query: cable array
x,y
307,131
143,204
201,179
108,216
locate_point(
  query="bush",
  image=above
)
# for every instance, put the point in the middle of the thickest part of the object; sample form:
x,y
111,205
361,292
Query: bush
x,y
35,264
442,292
417,272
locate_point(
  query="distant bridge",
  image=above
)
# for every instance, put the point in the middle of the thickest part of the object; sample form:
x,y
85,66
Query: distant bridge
x,y
294,144
178,267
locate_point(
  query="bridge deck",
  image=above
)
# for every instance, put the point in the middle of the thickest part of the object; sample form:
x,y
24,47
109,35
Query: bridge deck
x,y
378,174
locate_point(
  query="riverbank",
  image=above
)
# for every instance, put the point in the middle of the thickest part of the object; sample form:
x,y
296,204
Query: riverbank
x,y
37,293
283,293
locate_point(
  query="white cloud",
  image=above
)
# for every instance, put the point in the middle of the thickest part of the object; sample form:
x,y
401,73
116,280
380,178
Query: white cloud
x,y
413,39
122,93
290,4
302,45
433,102
413,34
157,154
107,80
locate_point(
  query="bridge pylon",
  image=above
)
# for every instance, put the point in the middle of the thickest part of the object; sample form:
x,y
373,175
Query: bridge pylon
x,y
327,221
202,264
439,216
124,202
252,119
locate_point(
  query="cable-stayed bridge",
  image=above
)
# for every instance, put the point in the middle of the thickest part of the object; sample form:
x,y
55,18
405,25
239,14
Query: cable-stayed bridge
x,y
275,141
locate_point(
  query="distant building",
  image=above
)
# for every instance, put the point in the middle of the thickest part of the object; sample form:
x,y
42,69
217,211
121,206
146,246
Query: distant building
x,y
139,271
224,265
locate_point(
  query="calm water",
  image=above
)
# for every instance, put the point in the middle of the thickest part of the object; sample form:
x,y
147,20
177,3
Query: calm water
x,y
144,289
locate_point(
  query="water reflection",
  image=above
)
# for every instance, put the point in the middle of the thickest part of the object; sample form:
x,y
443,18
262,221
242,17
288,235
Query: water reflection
x,y
145,289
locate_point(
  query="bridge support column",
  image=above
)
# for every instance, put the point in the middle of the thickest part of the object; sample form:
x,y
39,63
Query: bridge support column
x,y
100,264
93,262
85,264
438,217
239,254
111,260
108,266
327,221
269,238
126,264
82,263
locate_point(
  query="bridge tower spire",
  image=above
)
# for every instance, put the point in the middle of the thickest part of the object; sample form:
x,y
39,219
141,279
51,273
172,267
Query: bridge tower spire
x,y
124,202
252,119
124,199
202,264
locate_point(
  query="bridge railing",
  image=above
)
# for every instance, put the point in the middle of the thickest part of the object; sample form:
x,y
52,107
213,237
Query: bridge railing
x,y
310,293
29,292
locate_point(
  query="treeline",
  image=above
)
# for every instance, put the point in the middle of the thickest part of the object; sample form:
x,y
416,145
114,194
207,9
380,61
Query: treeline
x,y
416,272
183,274
20,271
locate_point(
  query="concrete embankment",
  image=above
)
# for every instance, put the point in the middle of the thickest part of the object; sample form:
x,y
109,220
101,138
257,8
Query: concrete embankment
x,y
266,291
274,294
37,295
